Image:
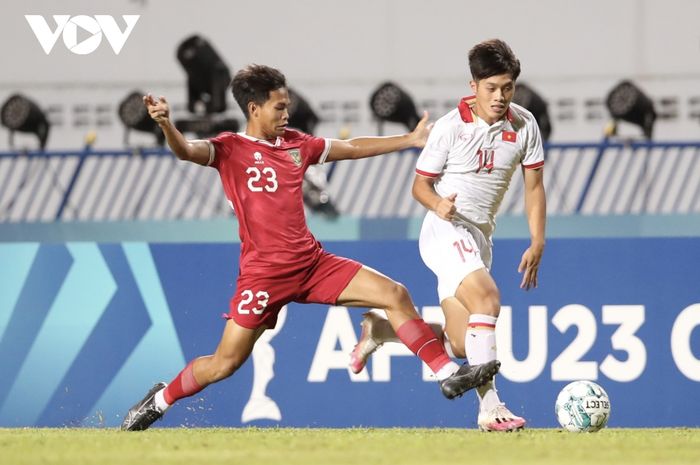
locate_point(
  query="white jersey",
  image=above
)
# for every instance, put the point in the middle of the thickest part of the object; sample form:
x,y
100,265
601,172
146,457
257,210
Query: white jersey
x,y
476,161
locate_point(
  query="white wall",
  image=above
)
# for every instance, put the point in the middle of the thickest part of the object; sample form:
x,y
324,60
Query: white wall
x,y
339,51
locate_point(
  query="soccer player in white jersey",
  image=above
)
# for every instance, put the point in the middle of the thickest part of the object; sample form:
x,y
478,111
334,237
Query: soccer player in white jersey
x,y
461,177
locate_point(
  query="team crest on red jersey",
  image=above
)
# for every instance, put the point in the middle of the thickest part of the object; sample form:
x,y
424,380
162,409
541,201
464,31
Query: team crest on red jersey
x,y
295,154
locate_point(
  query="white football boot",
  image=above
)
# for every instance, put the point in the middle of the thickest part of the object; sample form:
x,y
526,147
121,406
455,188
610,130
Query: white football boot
x,y
366,345
500,418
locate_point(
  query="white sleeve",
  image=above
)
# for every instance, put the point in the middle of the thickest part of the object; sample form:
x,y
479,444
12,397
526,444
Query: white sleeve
x,y
212,152
434,155
534,153
212,149
325,152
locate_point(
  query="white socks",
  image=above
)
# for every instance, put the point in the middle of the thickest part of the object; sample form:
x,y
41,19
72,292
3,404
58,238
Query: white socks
x,y
160,402
480,339
488,396
446,371
480,345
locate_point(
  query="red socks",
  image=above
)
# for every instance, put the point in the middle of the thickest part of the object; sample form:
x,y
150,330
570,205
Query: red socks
x,y
415,334
418,337
184,385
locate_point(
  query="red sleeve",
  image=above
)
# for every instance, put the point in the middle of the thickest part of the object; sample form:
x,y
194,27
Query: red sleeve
x,y
223,144
317,148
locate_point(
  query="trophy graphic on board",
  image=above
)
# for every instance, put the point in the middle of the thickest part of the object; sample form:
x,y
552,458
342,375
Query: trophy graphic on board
x,y
260,406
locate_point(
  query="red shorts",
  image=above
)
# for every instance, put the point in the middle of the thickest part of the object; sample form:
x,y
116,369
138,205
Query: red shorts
x,y
260,296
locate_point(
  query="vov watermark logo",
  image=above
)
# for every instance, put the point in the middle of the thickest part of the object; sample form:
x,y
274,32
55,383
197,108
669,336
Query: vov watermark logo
x,y
95,26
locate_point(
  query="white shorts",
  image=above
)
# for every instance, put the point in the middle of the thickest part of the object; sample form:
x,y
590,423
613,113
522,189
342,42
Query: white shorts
x,y
452,252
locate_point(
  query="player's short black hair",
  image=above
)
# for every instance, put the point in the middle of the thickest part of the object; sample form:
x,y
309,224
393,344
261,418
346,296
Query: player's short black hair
x,y
254,84
492,58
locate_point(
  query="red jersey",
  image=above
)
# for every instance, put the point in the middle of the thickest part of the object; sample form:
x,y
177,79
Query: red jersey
x,y
263,183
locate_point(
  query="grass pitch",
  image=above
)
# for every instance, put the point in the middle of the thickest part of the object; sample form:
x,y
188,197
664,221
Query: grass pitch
x,y
291,446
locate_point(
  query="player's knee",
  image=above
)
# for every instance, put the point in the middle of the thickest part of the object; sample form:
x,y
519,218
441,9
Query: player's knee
x,y
397,296
488,302
225,367
495,307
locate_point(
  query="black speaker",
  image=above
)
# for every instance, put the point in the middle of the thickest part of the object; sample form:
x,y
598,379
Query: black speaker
x,y
391,103
525,96
208,77
19,113
627,102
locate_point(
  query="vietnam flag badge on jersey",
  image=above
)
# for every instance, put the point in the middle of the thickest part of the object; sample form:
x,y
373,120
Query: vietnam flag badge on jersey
x,y
509,136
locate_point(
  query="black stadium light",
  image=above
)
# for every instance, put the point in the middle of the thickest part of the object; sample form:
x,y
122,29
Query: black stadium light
x,y
208,77
391,103
204,128
134,115
301,115
627,102
19,113
525,96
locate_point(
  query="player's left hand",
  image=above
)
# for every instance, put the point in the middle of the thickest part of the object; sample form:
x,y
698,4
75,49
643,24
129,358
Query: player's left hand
x,y
529,265
158,108
422,131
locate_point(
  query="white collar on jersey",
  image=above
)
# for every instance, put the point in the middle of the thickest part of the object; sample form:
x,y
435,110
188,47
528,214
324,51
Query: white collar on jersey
x,y
277,143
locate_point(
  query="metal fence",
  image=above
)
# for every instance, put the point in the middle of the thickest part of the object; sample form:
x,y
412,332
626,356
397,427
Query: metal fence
x,y
589,179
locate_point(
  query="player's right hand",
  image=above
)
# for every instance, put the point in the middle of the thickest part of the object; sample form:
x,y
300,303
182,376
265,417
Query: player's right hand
x,y
445,208
158,109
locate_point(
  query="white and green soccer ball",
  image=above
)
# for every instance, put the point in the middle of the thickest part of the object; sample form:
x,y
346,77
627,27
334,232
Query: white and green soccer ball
x,y
582,407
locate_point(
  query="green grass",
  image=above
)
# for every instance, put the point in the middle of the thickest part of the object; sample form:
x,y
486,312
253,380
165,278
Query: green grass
x,y
290,446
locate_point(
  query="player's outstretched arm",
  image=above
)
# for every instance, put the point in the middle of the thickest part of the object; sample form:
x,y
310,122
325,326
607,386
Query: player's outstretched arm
x,y
363,147
536,210
197,151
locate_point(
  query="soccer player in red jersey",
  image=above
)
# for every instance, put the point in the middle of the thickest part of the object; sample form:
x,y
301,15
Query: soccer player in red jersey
x,y
261,172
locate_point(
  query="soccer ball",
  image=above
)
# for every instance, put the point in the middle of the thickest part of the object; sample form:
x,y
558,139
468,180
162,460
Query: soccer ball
x,y
582,407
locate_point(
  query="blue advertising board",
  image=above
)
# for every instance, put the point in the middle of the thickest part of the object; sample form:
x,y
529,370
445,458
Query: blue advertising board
x,y
86,328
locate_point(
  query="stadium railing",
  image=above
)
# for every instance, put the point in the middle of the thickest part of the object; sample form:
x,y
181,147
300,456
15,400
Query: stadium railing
x,y
605,178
